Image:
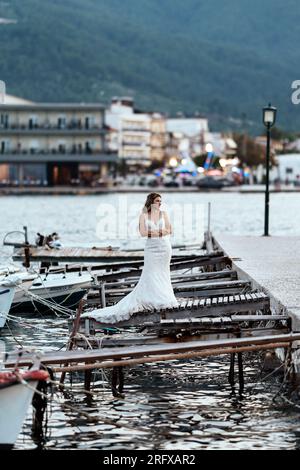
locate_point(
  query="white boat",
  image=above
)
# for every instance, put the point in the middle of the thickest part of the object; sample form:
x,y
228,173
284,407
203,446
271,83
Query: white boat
x,y
16,393
7,293
42,292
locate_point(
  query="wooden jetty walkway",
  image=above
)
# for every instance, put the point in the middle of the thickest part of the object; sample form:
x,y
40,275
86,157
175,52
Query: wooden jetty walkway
x,y
272,264
222,308
89,255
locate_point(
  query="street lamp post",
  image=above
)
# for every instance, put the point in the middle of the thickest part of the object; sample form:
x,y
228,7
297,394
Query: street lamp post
x,y
269,118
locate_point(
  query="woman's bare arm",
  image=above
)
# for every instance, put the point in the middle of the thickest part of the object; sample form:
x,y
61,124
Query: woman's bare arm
x,y
146,231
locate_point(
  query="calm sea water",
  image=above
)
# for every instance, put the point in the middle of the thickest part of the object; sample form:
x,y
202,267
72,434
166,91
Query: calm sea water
x,y
186,405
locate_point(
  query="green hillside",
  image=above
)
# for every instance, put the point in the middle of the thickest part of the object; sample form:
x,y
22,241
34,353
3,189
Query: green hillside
x,y
224,58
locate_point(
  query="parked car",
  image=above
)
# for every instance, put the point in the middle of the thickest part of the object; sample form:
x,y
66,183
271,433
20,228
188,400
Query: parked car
x,y
171,183
148,180
188,180
213,182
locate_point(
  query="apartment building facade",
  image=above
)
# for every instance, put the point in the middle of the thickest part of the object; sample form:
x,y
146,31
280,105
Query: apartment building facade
x,y
54,143
139,137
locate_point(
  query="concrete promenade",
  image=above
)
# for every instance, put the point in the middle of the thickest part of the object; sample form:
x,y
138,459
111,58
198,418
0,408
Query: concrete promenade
x,y
79,190
272,263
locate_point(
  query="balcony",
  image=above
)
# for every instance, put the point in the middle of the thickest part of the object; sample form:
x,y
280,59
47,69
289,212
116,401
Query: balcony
x,y
57,155
129,143
51,130
136,129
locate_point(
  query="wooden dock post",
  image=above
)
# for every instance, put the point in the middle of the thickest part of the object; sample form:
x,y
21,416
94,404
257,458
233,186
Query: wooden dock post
x,y
117,382
241,372
87,379
231,369
240,369
71,339
102,295
26,249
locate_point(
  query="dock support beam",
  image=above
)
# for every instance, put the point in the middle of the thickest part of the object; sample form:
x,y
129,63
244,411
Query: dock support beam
x,y
240,370
231,369
87,379
117,382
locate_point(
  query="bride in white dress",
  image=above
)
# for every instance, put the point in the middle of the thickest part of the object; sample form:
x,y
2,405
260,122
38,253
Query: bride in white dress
x,y
154,288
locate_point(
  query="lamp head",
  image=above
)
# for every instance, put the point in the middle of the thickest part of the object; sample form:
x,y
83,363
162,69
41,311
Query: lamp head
x,y
269,115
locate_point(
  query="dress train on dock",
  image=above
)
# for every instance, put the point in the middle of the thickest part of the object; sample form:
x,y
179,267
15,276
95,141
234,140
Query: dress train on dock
x,y
154,288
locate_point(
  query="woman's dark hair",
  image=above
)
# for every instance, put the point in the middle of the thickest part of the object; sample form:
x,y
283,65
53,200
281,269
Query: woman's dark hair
x,y
149,201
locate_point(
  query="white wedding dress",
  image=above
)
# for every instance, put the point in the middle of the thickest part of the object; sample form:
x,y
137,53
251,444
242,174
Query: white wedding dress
x,y
154,288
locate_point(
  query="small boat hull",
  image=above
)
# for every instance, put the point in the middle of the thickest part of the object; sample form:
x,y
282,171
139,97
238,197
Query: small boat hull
x,y
7,293
14,402
69,300
35,297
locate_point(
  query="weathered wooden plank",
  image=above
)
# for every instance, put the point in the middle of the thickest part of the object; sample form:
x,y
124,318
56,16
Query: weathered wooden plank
x,y
185,287
257,318
226,320
167,322
79,254
189,309
181,321
206,321
135,275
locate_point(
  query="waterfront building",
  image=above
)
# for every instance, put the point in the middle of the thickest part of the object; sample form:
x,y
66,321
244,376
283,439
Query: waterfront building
x,y
140,137
54,143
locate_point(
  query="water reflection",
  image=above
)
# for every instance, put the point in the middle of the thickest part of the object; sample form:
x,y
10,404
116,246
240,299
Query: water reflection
x,y
181,405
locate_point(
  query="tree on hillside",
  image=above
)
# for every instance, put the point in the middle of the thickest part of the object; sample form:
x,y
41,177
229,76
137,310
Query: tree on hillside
x,y
280,134
249,152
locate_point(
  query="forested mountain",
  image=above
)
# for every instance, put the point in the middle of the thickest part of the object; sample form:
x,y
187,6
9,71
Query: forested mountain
x,y
226,58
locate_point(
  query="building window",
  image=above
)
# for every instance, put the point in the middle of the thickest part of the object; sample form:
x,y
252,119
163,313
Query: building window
x,y
4,118
62,122
62,146
90,122
33,122
34,146
88,148
5,146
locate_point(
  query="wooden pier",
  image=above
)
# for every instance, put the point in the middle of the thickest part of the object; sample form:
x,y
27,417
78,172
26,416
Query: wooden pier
x,y
88,255
96,358
220,311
